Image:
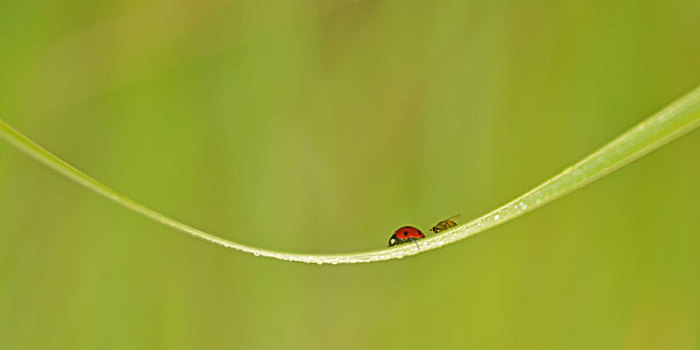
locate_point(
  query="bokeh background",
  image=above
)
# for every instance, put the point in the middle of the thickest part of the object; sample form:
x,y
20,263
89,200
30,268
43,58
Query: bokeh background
x,y
322,126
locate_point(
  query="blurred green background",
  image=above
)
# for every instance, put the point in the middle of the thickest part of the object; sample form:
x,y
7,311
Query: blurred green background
x,y
322,126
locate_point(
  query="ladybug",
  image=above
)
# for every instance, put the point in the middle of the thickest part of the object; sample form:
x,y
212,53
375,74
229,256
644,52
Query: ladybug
x,y
445,224
406,234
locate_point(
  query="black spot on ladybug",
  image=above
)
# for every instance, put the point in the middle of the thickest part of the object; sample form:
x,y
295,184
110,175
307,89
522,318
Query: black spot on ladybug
x,y
405,233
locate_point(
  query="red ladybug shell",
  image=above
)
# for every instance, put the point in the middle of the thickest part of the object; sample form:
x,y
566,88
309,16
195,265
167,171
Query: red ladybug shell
x,y
405,234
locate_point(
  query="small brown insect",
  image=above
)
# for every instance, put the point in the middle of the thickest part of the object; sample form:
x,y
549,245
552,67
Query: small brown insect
x,y
445,224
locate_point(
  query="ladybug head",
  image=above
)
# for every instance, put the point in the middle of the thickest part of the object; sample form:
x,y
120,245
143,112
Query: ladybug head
x,y
393,241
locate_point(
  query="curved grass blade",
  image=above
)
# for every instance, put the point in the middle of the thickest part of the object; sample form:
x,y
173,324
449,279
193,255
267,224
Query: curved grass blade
x,y
670,123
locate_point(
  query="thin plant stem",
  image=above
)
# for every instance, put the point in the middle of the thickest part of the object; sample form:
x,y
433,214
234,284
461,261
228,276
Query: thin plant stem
x,y
675,120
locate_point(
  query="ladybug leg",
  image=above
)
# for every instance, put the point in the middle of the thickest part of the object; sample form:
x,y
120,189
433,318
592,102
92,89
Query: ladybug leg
x,y
414,241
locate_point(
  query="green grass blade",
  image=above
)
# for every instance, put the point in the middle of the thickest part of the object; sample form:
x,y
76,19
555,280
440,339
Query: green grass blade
x,y
670,123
